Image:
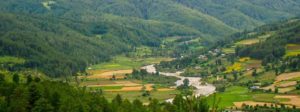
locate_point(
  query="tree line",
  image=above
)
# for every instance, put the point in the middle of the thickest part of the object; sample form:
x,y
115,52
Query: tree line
x,y
40,95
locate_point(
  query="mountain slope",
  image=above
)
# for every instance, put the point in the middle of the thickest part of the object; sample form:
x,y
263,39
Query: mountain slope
x,y
69,35
70,46
93,11
167,10
274,46
213,18
245,14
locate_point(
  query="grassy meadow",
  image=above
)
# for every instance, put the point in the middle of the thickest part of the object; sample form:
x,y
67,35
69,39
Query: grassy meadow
x,y
240,94
123,63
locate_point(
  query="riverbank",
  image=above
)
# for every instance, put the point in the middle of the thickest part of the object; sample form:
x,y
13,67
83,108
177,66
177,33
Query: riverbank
x,y
201,89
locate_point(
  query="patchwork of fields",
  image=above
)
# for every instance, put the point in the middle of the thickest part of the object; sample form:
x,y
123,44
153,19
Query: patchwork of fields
x,y
236,96
111,78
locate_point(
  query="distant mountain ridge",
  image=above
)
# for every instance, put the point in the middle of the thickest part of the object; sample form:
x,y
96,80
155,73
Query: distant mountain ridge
x,y
215,18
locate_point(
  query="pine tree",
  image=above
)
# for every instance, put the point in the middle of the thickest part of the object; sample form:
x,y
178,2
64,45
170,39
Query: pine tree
x,y
29,79
276,90
186,83
34,95
42,105
16,78
2,78
55,101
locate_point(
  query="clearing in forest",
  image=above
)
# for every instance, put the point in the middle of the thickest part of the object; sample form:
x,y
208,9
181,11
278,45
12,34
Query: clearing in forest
x,y
253,40
248,41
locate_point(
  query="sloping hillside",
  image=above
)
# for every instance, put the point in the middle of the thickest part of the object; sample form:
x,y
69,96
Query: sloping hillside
x,y
70,46
245,14
69,35
274,40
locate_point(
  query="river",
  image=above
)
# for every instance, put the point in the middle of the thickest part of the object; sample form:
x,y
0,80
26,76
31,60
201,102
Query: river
x,y
201,89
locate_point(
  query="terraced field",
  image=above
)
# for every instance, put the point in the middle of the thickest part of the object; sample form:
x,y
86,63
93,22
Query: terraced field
x,y
285,82
292,50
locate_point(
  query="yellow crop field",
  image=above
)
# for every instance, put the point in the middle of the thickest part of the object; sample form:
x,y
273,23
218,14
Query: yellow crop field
x,y
235,67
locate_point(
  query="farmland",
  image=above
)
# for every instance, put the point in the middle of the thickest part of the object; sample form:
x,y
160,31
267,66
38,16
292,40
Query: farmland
x,y
112,78
236,96
285,82
292,50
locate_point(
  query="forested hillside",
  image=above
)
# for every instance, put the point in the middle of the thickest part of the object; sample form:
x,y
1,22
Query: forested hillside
x,y
64,36
245,14
283,33
211,17
70,46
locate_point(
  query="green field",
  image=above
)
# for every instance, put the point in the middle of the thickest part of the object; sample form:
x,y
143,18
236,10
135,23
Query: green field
x,y
132,95
265,77
11,60
123,63
292,50
292,53
232,94
248,41
238,94
107,87
230,50
264,97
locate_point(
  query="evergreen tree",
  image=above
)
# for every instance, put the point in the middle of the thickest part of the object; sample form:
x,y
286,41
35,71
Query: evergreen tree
x,y
2,78
254,73
42,105
55,101
34,95
276,90
18,101
138,106
16,78
154,106
29,79
37,79
186,83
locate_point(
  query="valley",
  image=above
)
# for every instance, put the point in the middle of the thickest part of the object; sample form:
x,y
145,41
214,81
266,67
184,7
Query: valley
x,y
150,56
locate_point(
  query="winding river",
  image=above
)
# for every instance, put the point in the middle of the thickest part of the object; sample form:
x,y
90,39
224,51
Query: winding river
x,y
201,89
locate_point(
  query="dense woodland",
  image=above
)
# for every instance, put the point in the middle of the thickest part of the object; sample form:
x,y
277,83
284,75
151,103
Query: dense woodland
x,y
71,46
